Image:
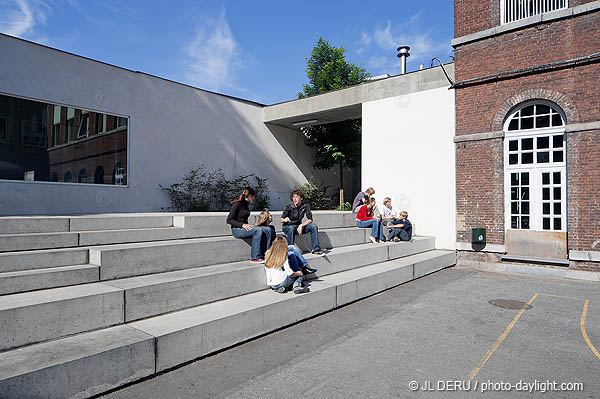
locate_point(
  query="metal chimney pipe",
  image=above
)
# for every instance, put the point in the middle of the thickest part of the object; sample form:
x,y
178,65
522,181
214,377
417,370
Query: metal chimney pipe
x,y
403,54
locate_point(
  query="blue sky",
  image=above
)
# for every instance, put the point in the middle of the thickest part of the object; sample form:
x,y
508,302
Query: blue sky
x,y
255,50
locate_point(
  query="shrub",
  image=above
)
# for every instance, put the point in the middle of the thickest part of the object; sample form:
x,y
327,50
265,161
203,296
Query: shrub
x,y
316,196
201,191
346,207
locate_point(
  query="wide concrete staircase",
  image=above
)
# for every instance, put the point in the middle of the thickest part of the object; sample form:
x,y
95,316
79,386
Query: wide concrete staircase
x,y
90,303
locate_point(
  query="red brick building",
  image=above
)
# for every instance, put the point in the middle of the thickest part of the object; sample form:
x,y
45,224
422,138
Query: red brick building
x,y
528,130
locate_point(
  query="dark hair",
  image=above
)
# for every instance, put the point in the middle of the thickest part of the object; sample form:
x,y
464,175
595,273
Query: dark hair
x,y
297,192
247,192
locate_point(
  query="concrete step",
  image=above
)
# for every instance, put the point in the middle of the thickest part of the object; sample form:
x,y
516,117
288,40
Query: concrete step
x,y
128,260
155,294
48,314
77,367
103,237
33,241
39,259
37,279
120,221
94,362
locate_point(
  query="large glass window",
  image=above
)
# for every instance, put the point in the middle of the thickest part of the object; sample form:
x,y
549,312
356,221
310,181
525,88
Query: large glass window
x,y
535,168
50,142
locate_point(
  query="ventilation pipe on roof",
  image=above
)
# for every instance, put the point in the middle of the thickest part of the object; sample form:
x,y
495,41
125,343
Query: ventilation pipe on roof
x,y
403,54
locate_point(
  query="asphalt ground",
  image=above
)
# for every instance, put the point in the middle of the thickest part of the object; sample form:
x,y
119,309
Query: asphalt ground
x,y
439,333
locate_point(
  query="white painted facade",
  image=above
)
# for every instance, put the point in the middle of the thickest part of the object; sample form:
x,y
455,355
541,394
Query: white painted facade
x,y
172,129
408,155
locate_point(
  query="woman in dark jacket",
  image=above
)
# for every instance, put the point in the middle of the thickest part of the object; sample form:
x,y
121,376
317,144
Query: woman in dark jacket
x,y
238,219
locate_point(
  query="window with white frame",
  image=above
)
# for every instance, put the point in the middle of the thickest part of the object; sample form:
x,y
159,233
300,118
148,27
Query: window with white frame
x,y
515,10
535,168
83,124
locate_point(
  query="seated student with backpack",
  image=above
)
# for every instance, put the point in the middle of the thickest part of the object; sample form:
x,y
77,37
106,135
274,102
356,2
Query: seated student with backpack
x,y
291,219
401,228
366,218
284,268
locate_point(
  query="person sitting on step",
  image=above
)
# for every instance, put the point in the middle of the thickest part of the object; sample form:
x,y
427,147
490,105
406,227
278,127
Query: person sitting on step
x,y
284,271
238,219
401,228
365,218
362,198
291,219
265,219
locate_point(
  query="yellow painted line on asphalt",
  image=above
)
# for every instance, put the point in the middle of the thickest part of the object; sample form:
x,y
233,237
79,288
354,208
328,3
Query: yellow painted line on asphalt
x,y
501,338
585,336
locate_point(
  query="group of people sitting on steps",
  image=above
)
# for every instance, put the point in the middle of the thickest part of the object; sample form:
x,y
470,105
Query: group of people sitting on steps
x,y
284,264
389,226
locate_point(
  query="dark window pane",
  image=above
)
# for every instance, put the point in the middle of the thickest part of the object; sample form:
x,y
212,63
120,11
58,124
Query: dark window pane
x,y
527,123
513,159
557,224
557,141
513,145
527,157
546,208
546,194
542,121
526,144
543,157
557,208
557,193
556,177
514,194
557,156
513,125
514,222
525,193
545,178
514,179
556,120
525,208
525,222
514,208
543,142
542,109
546,223
525,178
527,111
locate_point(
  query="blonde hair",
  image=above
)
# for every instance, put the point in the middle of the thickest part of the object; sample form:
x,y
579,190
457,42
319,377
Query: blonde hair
x,y
370,190
264,218
404,213
277,255
386,199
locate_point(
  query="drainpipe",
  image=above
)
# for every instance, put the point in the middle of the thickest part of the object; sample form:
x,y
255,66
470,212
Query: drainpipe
x,y
403,54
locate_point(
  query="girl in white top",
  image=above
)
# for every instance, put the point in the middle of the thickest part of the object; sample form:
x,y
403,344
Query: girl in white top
x,y
280,275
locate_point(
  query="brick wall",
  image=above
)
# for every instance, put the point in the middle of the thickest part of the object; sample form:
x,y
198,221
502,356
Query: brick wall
x,y
472,16
483,108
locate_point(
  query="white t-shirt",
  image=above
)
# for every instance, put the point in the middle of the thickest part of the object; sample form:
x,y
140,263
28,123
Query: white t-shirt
x,y
277,275
389,213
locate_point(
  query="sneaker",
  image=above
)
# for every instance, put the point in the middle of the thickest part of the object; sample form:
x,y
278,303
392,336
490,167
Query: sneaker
x,y
396,239
257,260
373,240
300,290
318,252
280,290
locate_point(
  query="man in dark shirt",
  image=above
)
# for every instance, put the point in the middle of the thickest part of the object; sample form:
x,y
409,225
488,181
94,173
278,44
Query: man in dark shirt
x,y
291,219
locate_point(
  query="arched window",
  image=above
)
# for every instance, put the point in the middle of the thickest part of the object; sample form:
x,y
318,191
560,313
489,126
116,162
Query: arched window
x,y
535,167
82,176
99,175
68,176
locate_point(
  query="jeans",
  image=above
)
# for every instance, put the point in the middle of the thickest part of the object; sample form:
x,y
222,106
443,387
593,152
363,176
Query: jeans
x,y
261,239
375,226
290,232
399,232
295,259
289,281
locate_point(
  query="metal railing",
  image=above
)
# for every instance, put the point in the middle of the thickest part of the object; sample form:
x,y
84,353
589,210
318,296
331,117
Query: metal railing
x,y
514,10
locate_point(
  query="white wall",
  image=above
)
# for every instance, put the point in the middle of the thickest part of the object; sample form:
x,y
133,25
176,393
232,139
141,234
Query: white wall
x,y
173,128
408,155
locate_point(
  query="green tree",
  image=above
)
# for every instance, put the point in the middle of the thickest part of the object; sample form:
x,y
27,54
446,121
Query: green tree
x,y
335,143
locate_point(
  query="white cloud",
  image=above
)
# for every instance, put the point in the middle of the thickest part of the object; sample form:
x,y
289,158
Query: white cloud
x,y
20,17
214,55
